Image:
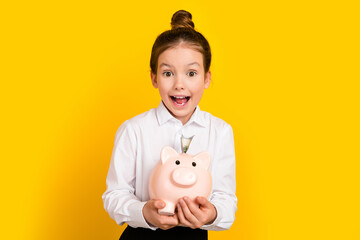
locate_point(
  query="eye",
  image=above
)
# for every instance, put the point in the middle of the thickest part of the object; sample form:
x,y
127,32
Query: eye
x,y
167,74
194,164
177,162
192,74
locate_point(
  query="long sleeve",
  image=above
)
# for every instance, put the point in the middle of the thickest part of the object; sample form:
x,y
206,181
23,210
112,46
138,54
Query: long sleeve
x,y
136,153
119,199
224,184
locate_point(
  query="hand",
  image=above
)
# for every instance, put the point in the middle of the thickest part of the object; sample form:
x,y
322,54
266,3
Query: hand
x,y
195,214
151,215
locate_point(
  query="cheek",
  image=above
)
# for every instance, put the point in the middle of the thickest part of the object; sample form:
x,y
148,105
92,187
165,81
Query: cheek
x,y
197,86
167,169
162,91
203,176
163,87
198,90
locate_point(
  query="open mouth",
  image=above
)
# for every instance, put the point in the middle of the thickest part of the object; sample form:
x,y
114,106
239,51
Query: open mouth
x,y
180,100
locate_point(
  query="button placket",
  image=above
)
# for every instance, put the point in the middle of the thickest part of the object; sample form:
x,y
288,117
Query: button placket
x,y
177,140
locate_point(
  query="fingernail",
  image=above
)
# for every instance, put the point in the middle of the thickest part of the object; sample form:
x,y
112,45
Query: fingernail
x,y
186,198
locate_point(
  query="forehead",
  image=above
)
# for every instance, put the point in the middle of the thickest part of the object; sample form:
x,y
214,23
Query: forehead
x,y
181,55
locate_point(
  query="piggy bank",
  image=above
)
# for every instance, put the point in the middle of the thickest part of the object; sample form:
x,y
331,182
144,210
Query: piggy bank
x,y
179,175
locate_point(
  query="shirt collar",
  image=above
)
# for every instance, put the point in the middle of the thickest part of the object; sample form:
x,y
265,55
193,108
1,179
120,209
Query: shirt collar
x,y
163,115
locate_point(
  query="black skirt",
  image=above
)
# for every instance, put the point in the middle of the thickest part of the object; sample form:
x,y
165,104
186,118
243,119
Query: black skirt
x,y
183,233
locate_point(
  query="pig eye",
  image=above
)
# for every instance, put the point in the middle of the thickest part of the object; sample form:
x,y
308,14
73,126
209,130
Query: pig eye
x,y
194,164
177,162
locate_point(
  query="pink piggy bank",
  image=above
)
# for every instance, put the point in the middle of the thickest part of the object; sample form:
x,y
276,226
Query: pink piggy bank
x,y
179,175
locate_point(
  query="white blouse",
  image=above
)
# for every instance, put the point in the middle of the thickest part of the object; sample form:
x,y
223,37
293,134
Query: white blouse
x,y
136,152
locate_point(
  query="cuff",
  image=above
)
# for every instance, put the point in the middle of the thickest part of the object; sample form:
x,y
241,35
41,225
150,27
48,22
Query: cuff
x,y
137,216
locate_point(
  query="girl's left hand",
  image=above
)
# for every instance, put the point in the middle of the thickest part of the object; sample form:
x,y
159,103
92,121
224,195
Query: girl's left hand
x,y
195,214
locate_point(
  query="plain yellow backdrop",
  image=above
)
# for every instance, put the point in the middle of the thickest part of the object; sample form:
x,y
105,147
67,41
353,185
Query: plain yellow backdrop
x,y
285,75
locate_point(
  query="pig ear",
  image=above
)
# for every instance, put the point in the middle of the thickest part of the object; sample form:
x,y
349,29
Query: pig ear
x,y
204,158
166,153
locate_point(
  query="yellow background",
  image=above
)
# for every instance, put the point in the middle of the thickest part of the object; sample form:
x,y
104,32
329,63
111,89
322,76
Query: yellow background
x,y
285,76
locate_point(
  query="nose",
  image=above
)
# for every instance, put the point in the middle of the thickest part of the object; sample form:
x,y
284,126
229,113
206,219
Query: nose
x,y
184,177
179,83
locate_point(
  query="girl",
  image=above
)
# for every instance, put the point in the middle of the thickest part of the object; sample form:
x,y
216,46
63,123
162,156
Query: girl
x,y
180,63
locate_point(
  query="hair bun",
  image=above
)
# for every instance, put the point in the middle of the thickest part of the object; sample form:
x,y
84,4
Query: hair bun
x,y
182,19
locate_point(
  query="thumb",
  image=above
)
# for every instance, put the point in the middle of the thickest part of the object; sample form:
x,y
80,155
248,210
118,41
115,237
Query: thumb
x,y
202,201
159,204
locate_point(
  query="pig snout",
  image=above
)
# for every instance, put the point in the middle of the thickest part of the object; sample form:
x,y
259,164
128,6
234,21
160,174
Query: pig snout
x,y
184,177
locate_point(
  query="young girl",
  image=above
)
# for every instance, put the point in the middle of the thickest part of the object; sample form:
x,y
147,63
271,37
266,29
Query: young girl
x,y
180,62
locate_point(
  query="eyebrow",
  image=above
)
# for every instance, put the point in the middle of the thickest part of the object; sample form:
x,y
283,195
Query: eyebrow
x,y
168,65
194,63
165,65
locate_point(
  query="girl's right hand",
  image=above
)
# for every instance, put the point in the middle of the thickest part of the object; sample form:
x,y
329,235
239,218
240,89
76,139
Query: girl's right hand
x,y
151,215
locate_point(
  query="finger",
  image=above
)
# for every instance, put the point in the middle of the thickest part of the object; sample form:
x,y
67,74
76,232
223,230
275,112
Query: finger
x,y
168,221
187,213
181,216
208,208
193,207
159,204
164,227
173,220
203,202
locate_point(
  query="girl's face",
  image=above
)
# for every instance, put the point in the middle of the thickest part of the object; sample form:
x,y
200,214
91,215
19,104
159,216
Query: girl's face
x,y
181,80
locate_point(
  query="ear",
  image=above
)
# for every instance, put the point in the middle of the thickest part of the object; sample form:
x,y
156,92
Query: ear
x,y
204,158
167,153
207,79
153,79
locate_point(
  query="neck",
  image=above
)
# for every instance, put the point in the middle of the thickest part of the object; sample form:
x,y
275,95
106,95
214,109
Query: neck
x,y
184,119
